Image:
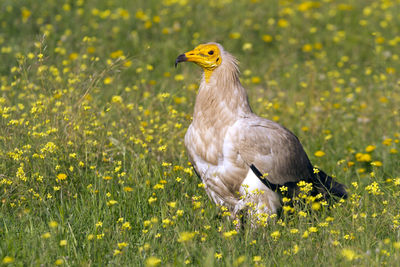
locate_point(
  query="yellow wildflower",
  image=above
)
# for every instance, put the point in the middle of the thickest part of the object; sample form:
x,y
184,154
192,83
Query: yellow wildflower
x,y
126,225
172,204
229,234
122,245
376,163
73,56
267,38
218,255
373,188
316,206
305,234
152,199
116,252
128,189
370,148
152,261
234,35
108,80
186,236
275,235
239,260
46,235
363,157
348,254
26,13
53,224
61,176
283,23
117,54
7,260
257,258
307,48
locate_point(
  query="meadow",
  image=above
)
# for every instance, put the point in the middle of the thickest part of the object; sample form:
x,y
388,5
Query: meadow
x,y
93,170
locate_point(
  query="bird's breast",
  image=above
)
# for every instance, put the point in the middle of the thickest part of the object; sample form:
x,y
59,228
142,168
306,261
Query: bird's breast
x,y
205,142
216,158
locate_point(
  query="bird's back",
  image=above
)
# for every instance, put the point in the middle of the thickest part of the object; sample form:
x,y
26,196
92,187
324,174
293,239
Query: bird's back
x,y
273,149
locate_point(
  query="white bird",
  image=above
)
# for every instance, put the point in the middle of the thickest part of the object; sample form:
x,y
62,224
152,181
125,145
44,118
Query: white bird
x,y
240,157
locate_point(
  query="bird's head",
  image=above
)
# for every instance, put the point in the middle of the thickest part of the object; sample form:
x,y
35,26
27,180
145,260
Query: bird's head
x,y
207,56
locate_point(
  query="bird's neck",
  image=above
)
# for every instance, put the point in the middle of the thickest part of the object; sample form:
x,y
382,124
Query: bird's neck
x,y
221,99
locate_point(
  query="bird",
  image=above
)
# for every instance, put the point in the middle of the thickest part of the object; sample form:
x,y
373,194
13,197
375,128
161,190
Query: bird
x,y
242,159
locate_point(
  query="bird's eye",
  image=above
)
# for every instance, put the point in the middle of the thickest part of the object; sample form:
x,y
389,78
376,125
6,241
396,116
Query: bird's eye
x,y
210,52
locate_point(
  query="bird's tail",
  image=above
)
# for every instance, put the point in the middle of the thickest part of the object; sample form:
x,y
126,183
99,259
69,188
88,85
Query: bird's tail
x,y
328,186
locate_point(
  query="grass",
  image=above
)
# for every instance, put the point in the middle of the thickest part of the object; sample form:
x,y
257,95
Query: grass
x,y
93,170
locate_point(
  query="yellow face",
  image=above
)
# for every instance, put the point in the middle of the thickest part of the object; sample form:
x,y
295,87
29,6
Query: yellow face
x,y
207,56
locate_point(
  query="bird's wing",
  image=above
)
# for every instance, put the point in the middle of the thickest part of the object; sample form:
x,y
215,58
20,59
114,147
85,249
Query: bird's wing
x,y
273,150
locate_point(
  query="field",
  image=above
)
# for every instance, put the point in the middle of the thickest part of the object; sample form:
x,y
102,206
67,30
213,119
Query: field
x,y
93,170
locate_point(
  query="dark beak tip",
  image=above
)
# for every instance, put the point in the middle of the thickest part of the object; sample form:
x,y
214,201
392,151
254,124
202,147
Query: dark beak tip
x,y
180,58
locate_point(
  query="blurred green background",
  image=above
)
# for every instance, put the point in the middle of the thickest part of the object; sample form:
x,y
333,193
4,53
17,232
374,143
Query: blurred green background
x,y
93,170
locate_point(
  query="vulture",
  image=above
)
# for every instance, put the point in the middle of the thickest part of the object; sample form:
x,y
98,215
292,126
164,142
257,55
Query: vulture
x,y
243,159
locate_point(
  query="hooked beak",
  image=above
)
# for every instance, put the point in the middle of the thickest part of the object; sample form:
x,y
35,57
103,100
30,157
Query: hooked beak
x,y
180,58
